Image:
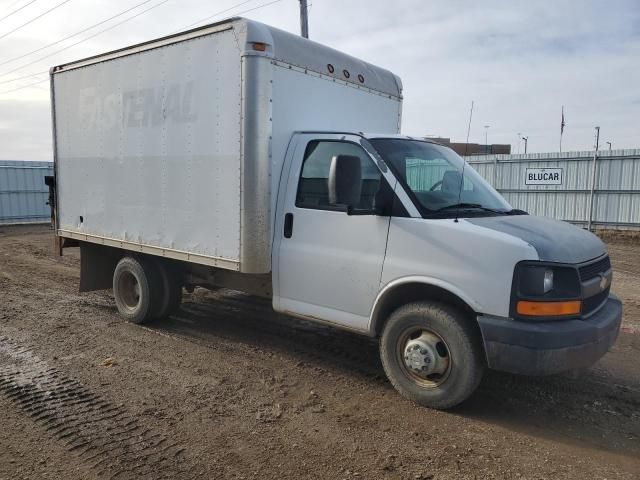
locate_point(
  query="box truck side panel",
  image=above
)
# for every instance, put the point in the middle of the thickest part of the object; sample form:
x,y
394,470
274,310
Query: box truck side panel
x,y
148,150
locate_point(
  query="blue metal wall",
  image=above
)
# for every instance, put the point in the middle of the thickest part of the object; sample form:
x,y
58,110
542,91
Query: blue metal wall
x,y
23,194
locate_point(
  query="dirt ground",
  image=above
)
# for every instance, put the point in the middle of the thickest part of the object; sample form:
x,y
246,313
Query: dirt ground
x,y
228,389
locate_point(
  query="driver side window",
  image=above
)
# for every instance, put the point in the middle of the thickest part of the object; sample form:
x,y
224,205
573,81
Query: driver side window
x,y
359,181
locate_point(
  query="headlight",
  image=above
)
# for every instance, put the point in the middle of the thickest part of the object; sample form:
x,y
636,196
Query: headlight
x,y
547,283
545,291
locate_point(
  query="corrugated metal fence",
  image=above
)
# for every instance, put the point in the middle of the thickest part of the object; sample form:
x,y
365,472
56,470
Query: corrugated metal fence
x,y
616,196
23,194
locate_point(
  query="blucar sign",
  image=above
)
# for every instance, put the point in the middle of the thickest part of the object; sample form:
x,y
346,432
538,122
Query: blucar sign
x,y
543,176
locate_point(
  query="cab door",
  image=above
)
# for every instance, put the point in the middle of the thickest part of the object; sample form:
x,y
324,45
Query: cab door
x,y
330,254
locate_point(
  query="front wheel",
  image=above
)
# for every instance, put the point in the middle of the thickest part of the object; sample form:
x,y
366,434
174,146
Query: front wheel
x,y
432,354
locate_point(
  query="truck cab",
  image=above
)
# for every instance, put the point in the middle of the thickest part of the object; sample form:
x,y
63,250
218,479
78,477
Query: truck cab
x,y
398,238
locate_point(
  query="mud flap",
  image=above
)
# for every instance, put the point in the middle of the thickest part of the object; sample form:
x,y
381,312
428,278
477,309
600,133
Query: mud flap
x,y
97,264
50,181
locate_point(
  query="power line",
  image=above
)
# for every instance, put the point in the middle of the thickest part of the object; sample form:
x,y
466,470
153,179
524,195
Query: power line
x,y
237,13
15,2
34,19
257,7
215,14
74,34
22,77
24,86
124,21
85,39
102,31
18,9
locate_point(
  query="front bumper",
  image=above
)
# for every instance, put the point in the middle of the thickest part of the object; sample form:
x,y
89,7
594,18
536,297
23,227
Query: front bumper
x,y
546,348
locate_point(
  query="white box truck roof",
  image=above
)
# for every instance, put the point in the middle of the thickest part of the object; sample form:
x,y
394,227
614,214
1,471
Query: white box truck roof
x,y
175,147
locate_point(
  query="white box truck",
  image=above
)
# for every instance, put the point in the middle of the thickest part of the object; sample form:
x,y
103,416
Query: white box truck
x,y
235,155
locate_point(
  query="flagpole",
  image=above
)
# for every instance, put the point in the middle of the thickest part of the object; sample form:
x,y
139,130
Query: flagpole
x,y
561,128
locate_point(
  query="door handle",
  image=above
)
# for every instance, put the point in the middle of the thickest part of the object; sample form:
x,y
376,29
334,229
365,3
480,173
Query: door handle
x,y
288,225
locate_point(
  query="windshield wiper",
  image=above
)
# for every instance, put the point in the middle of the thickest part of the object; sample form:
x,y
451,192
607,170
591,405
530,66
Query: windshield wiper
x,y
515,211
465,206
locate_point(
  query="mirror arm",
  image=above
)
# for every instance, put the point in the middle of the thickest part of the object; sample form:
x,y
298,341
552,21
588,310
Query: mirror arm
x,y
352,211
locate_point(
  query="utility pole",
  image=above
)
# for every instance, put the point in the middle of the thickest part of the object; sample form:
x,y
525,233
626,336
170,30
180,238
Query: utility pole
x,y
526,140
304,19
593,178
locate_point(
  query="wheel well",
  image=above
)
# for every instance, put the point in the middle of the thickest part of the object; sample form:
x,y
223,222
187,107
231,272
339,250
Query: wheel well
x,y
413,292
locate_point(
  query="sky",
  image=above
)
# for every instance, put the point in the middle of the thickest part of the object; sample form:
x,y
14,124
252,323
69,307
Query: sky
x,y
518,61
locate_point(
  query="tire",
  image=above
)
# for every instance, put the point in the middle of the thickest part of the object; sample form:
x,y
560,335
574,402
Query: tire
x,y
135,289
170,295
432,354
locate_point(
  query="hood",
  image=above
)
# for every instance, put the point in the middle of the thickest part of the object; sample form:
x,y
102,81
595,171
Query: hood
x,y
555,241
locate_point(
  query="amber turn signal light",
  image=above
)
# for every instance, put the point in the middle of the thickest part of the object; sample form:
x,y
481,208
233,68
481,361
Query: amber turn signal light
x,y
548,309
259,47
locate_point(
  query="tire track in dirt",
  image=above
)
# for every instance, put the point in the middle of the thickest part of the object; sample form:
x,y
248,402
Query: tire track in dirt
x,y
325,346
104,436
311,342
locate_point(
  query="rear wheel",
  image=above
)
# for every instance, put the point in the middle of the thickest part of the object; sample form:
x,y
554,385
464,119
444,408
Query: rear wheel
x,y
170,290
134,289
432,354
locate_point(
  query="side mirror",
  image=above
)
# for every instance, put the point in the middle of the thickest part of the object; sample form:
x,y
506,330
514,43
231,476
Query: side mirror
x,y
345,180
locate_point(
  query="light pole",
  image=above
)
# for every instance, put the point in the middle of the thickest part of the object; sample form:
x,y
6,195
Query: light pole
x,y
526,140
593,178
486,139
609,143
304,19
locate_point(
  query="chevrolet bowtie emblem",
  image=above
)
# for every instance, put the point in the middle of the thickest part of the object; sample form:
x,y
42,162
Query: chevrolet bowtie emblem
x,y
604,282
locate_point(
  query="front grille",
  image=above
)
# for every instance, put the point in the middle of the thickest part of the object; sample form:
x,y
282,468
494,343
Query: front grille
x,y
592,303
592,270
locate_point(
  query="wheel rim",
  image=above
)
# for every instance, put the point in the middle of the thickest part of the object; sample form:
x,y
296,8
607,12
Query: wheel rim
x,y
424,357
129,290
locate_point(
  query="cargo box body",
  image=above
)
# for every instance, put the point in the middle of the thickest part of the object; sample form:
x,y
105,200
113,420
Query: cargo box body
x,y
175,147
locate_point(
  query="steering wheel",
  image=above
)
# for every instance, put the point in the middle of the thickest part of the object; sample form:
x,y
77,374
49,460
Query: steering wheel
x,y
435,185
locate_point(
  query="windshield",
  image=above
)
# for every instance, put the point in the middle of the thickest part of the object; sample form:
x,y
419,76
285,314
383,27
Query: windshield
x,y
433,174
